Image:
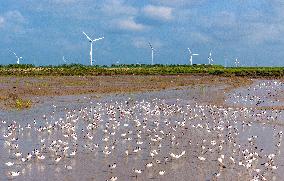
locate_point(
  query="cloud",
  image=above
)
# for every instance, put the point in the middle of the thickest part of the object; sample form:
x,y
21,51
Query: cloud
x,y
158,12
222,20
200,37
130,24
141,42
63,1
13,21
225,19
190,36
178,3
120,15
2,20
253,27
118,8
15,16
263,32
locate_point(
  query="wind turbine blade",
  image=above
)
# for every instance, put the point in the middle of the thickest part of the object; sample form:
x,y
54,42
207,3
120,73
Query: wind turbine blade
x,y
150,46
189,50
13,53
87,36
99,39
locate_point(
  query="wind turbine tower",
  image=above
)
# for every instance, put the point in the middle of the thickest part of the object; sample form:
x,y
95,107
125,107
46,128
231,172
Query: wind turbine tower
x,y
152,49
91,48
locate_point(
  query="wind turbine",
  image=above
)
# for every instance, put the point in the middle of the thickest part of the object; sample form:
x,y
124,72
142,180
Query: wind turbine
x,y
91,49
64,60
18,58
225,60
210,60
191,55
237,62
152,52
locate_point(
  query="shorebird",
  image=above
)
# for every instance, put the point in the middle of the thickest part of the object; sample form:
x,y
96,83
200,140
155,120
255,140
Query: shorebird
x,y
68,167
148,165
113,178
162,172
9,164
113,166
14,174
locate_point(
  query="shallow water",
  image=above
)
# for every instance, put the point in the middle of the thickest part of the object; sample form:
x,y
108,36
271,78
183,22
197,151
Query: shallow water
x,y
260,93
133,130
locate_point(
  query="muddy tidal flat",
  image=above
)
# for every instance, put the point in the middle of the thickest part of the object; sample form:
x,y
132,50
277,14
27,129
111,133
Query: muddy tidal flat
x,y
141,128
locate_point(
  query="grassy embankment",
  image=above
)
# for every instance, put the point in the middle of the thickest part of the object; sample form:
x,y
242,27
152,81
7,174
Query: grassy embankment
x,y
77,69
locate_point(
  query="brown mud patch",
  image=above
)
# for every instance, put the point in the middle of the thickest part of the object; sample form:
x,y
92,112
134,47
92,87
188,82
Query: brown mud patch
x,y
13,89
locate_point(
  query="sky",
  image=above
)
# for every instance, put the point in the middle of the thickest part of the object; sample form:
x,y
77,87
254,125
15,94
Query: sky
x,y
43,31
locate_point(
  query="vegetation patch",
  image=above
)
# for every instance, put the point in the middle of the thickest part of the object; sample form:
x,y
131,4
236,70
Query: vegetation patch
x,y
23,104
134,69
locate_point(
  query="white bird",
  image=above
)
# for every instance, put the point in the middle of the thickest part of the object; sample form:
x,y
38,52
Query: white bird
x,y
220,159
106,152
177,156
137,171
18,154
113,178
68,167
42,157
112,166
57,159
73,153
29,156
14,174
148,165
91,49
9,164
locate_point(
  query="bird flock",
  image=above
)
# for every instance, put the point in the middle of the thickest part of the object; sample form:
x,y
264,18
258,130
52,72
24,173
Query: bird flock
x,y
261,93
147,139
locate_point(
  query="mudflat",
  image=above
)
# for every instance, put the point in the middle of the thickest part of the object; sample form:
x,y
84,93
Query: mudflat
x,y
24,92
